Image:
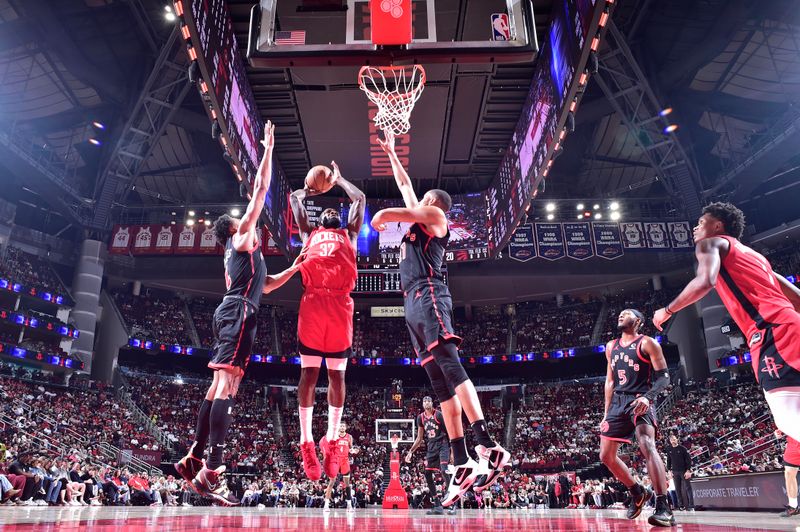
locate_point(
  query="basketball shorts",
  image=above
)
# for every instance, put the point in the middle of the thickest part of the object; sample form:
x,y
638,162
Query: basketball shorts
x,y
429,317
437,456
620,422
344,465
791,455
325,324
775,352
235,321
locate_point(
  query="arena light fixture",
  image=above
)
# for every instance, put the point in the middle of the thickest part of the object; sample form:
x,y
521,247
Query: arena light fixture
x,y
598,216
169,14
615,215
190,222
191,213
596,206
670,129
550,207
551,216
207,223
665,111
580,206
95,142
174,213
98,125
235,212
587,214
614,206
580,217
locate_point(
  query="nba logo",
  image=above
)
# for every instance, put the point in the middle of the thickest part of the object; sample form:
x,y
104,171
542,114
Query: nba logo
x,y
500,29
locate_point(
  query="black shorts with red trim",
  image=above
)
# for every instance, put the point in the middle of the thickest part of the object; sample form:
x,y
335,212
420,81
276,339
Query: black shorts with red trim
x,y
234,326
775,351
429,316
437,456
620,422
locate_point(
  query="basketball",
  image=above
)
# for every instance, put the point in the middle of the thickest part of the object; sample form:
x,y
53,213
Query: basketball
x,y
319,178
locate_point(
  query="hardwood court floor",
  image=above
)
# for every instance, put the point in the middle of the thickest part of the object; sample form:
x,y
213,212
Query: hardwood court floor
x,y
101,519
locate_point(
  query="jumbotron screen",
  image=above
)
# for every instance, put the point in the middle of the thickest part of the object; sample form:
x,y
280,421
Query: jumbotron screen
x,y
468,235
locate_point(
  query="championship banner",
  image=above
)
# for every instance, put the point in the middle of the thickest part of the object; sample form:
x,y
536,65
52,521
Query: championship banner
x,y
680,233
121,240
656,233
187,240
522,246
632,235
607,240
749,491
143,240
165,239
550,239
208,242
579,240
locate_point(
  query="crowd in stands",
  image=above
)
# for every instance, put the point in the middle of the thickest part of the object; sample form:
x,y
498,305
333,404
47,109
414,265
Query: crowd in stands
x,y
29,270
542,326
158,318
381,337
486,333
646,301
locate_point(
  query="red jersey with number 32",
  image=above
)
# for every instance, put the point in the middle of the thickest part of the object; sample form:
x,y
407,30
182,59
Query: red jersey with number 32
x,y
749,290
330,260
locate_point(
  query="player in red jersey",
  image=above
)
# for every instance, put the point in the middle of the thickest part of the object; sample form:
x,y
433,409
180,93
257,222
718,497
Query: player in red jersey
x,y
764,305
791,463
325,320
341,448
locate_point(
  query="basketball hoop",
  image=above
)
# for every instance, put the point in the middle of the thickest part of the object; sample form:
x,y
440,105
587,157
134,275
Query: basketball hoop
x,y
394,440
394,90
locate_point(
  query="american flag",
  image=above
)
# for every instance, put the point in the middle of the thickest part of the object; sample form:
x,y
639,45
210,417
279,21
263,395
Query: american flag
x,y
290,37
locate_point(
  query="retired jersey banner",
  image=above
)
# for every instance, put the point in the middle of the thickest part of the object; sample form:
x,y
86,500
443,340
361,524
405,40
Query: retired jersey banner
x,y
522,246
187,240
208,242
578,237
656,233
680,233
120,240
550,240
165,239
143,240
632,235
607,240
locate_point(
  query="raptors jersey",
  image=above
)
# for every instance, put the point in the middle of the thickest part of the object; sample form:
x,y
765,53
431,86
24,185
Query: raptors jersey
x,y
432,427
330,260
421,256
631,367
244,272
749,290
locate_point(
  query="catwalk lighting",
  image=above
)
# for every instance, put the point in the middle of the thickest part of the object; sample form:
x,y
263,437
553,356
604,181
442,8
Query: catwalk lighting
x,y
551,216
235,212
98,125
169,14
596,206
665,111
598,216
670,128
580,206
550,207
614,206
615,215
190,222
191,213
95,142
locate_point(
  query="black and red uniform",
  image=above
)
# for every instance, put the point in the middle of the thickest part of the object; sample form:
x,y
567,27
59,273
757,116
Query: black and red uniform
x,y
428,304
633,376
325,320
437,455
751,293
235,319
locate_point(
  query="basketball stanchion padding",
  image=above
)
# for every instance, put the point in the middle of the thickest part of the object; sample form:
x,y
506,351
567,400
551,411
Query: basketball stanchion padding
x,y
394,90
390,22
395,495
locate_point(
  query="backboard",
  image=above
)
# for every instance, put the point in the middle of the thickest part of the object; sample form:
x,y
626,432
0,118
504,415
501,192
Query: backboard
x,y
285,33
405,428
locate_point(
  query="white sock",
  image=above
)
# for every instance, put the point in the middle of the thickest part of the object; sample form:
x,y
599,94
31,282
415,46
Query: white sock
x,y
306,417
793,502
334,420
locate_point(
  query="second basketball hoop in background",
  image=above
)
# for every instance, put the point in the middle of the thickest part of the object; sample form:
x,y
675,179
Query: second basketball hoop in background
x,y
394,90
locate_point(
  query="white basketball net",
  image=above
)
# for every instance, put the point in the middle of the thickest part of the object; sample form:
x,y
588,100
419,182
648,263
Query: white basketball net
x,y
394,440
394,90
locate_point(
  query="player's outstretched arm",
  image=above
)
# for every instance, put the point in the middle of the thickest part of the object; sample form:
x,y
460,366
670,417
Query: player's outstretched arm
x,y
400,174
429,216
358,201
709,260
791,292
299,212
246,239
273,282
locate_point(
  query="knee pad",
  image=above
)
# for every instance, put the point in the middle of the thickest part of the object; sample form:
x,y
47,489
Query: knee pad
x,y
446,356
438,382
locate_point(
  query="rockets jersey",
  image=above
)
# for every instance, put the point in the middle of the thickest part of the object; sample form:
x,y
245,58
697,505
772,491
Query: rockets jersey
x,y
244,272
330,260
343,445
421,256
630,366
432,427
749,290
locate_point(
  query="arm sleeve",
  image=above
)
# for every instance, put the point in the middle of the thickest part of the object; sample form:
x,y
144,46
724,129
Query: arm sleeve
x,y
660,383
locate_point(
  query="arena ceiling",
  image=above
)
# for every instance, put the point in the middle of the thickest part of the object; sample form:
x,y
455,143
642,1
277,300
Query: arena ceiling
x,y
729,69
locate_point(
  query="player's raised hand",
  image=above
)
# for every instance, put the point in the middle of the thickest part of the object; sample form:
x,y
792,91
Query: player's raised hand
x,y
377,222
388,143
336,173
660,317
269,135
